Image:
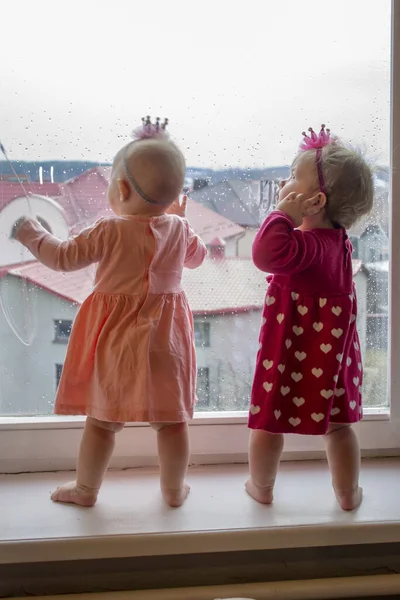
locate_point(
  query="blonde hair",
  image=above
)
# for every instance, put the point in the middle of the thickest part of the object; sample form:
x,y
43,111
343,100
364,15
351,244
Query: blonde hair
x,y
348,181
155,168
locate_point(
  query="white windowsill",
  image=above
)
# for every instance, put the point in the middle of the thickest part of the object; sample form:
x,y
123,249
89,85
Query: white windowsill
x,y
200,418
130,518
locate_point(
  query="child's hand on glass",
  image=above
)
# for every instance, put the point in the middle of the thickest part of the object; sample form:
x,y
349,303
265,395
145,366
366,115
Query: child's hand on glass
x,y
177,207
17,226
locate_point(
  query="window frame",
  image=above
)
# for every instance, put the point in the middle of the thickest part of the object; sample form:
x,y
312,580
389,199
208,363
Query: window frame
x,y
51,443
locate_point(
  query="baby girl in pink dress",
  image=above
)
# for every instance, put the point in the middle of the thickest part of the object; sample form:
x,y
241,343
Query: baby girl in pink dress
x,y
309,371
131,354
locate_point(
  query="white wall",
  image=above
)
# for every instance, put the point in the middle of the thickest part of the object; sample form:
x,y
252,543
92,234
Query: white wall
x,y
230,358
27,374
246,242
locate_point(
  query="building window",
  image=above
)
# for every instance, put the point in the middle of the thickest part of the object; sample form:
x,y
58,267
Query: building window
x,y
203,388
62,331
59,369
202,334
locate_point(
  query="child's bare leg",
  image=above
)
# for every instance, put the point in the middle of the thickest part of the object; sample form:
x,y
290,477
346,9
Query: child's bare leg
x,y
343,455
265,451
173,453
95,451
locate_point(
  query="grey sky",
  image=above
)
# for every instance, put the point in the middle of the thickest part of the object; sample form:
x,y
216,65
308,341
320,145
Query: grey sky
x,y
239,80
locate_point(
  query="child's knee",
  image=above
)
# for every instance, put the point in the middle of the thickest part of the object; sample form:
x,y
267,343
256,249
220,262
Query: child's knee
x,y
336,427
158,426
106,425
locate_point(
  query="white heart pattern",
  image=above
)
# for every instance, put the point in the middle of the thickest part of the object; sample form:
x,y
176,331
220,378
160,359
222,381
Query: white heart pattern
x,y
317,372
280,318
303,310
267,364
339,392
297,330
288,343
356,380
352,404
318,326
298,401
337,333
352,318
281,368
335,411
297,377
269,300
335,378
285,390
326,348
294,422
254,409
300,355
336,310
277,414
267,386
339,357
356,346
317,417
348,361
322,302
295,296
327,394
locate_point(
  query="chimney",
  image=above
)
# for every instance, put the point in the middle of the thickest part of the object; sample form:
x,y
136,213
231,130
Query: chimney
x,y
217,249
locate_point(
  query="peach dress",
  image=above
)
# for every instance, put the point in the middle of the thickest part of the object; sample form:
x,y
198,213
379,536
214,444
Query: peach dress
x,y
131,354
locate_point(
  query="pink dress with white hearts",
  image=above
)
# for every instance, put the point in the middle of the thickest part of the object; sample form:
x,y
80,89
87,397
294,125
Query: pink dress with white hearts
x,y
309,369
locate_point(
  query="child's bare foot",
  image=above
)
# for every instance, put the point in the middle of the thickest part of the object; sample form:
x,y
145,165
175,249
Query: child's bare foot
x,y
175,498
350,500
70,493
262,495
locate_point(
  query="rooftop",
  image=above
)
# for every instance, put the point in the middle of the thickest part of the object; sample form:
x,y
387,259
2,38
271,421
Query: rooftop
x,y
84,199
219,286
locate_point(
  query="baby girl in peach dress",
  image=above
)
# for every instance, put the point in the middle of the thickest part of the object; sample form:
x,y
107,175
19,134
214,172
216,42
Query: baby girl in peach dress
x,y
131,355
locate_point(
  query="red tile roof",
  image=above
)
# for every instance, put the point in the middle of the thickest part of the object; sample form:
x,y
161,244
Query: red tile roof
x,y
228,285
84,199
10,190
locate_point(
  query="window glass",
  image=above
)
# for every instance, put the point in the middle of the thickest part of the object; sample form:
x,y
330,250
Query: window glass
x,y
237,106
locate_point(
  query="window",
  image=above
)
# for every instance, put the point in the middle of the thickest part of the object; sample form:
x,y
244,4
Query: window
x,y
62,331
59,369
202,334
203,388
234,136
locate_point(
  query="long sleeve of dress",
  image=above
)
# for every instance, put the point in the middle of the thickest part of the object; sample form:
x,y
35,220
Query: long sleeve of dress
x,y
280,249
73,254
196,250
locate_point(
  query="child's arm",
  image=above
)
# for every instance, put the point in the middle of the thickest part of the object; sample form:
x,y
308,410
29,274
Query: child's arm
x,y
73,254
195,250
279,248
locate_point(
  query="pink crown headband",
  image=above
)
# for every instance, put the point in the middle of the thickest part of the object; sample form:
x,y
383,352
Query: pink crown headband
x,y
317,142
151,130
147,131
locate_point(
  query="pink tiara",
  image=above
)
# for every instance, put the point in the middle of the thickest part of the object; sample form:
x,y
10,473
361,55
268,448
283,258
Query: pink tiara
x,y
314,141
151,130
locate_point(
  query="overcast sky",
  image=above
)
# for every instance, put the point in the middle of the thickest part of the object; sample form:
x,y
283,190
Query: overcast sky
x,y
238,79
